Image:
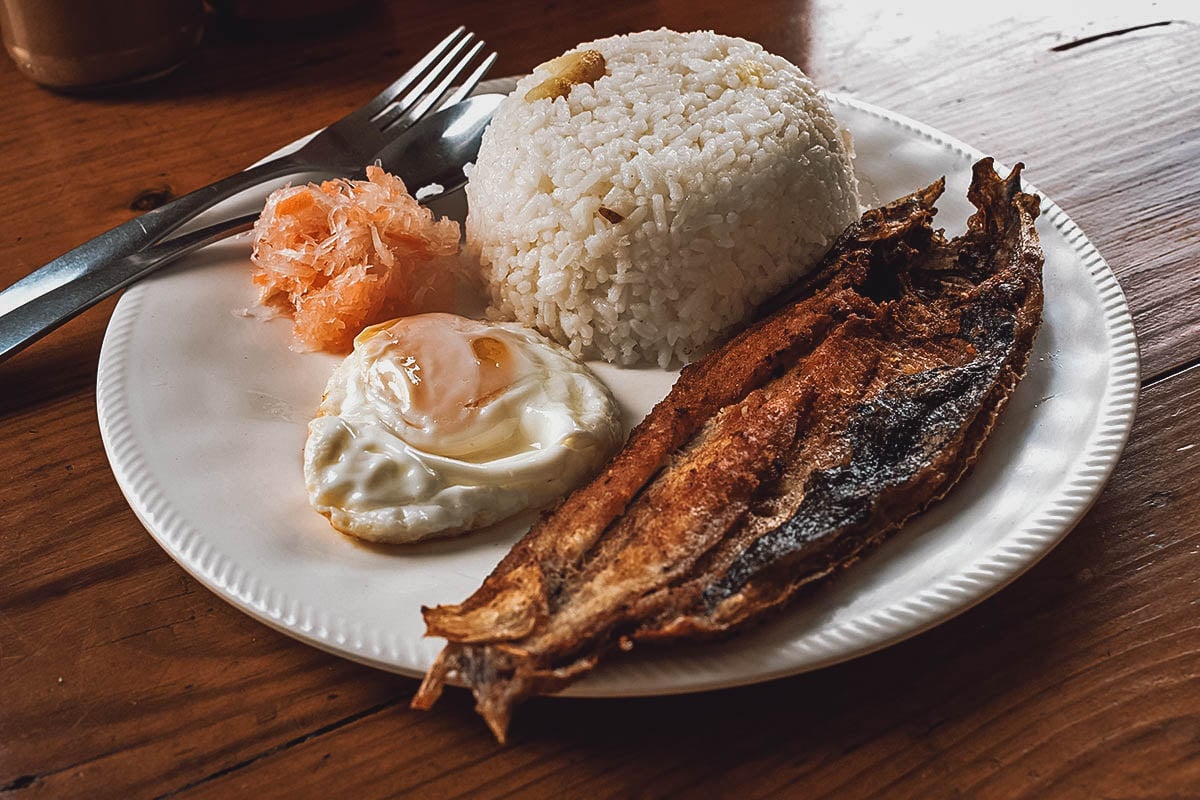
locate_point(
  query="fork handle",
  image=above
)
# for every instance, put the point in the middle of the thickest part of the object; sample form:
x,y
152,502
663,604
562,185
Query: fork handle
x,y
135,235
31,321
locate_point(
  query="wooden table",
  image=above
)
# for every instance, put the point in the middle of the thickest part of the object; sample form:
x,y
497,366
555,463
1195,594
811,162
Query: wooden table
x,y
121,676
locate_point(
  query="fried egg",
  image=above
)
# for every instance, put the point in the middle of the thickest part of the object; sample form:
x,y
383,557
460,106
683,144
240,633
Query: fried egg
x,y
436,424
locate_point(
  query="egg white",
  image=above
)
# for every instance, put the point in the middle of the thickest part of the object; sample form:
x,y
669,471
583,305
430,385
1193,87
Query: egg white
x,y
383,471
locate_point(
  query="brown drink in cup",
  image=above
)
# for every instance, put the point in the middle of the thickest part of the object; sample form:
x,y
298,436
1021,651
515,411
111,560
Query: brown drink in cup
x,y
84,44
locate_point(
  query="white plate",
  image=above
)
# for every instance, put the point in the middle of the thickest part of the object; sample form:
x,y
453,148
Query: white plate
x,y
203,415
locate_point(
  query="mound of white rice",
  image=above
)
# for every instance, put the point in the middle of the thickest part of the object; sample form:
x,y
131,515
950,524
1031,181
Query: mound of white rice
x,y
638,217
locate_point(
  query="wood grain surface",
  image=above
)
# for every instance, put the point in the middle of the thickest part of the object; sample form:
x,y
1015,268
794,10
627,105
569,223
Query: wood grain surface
x,y
121,676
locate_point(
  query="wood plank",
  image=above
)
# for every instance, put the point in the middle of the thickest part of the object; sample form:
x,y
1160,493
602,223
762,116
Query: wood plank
x,y
1028,695
103,639
1088,121
1104,128
1081,679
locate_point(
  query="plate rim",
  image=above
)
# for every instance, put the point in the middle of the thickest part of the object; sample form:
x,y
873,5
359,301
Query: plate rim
x,y
987,574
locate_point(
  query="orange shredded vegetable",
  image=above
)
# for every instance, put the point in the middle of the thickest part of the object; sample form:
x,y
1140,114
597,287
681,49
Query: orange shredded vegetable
x,y
342,255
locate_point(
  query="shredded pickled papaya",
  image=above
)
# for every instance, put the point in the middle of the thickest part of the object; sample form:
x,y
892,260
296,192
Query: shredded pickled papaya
x,y
341,255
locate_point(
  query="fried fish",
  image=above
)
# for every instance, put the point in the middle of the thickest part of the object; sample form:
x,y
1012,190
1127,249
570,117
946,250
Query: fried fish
x,y
863,394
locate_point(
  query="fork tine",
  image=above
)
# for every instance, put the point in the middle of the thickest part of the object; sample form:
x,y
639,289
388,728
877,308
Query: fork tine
x,y
401,105
406,117
469,84
443,86
382,100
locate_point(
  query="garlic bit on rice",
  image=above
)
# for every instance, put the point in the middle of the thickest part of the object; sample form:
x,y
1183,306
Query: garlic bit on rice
x,y
636,214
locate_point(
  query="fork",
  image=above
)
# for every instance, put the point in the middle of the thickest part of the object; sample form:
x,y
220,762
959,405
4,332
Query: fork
x,y
431,154
344,148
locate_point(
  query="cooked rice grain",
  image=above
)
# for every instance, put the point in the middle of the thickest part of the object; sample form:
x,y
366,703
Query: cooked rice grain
x,y
641,215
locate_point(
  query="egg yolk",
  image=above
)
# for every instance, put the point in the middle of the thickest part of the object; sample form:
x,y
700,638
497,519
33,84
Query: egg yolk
x,y
440,385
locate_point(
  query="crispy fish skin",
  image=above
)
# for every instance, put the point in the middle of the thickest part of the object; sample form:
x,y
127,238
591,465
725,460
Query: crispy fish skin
x,y
915,435
777,459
